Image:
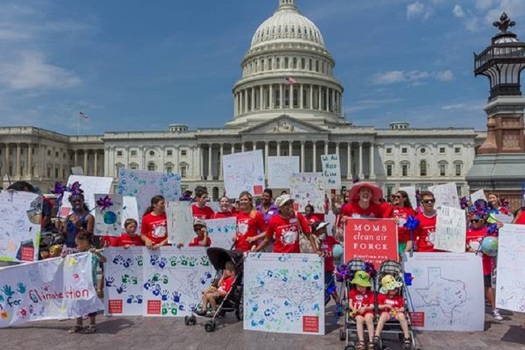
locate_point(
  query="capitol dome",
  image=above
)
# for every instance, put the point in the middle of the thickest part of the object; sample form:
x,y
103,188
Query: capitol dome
x,y
287,23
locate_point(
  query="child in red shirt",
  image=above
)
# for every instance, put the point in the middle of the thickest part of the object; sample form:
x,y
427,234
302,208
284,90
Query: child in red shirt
x,y
326,246
391,306
211,295
361,303
201,230
129,238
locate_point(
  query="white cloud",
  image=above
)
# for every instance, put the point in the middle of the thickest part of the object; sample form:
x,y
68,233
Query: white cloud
x,y
458,11
418,10
412,77
483,5
31,71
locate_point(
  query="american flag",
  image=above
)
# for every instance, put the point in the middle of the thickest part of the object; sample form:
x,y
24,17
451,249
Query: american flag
x,y
83,115
289,80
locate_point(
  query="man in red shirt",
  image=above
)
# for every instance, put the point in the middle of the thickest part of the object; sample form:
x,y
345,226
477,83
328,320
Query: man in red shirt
x,y
426,231
199,209
284,229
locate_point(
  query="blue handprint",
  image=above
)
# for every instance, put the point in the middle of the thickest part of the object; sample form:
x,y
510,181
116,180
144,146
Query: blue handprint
x,y
128,262
117,260
164,295
147,285
130,299
175,297
154,259
8,291
156,290
139,299
163,262
121,289
109,281
21,288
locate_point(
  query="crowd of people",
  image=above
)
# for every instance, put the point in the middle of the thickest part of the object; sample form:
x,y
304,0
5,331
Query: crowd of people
x,y
276,226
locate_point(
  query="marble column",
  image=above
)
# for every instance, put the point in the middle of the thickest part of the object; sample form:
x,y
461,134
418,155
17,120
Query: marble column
x,y
220,160
372,170
29,160
349,161
210,157
301,92
7,159
326,147
96,163
201,162
290,148
281,96
85,162
314,154
266,150
18,161
361,176
302,157
270,96
278,148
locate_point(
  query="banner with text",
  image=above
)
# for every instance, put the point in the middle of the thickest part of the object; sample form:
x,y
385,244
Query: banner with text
x,y
48,290
451,229
447,291
284,293
331,171
372,240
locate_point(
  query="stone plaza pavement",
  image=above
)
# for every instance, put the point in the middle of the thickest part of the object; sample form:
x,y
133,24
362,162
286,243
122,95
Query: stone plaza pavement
x,y
143,333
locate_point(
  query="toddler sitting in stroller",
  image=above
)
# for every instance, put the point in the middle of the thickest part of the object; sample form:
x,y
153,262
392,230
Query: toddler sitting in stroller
x,y
361,303
391,306
213,293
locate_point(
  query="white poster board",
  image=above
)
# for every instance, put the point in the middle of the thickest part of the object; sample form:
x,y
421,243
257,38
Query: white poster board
x,y
243,172
478,195
90,185
222,231
123,275
49,289
446,195
143,185
281,169
174,280
19,225
451,230
129,209
284,293
510,289
447,291
411,191
308,188
331,171
108,222
180,222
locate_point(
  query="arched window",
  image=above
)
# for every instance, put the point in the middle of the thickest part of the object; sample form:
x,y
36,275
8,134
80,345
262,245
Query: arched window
x,y
133,166
183,167
423,168
168,168
458,167
151,166
389,167
442,168
405,168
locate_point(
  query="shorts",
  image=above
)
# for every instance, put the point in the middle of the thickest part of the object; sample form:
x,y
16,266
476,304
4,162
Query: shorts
x,y
487,281
401,247
369,312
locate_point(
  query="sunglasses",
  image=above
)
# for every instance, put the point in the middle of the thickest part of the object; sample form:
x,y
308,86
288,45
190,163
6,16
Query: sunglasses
x,y
397,197
475,220
428,201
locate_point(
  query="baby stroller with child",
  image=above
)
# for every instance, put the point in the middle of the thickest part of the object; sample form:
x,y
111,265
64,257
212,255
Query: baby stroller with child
x,y
346,274
391,273
233,300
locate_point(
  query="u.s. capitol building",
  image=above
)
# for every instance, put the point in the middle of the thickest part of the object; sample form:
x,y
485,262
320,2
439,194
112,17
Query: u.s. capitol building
x,y
287,102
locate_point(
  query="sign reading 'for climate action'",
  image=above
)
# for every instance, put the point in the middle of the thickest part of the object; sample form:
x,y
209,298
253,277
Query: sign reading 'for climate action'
x,y
373,240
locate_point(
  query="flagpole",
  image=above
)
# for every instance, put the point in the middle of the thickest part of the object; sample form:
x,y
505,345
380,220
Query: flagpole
x,y
78,124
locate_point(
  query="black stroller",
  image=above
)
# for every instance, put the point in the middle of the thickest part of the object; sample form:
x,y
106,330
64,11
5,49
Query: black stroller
x,y
231,302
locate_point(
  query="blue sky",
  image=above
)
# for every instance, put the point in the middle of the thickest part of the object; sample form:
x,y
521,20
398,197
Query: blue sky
x,y
141,65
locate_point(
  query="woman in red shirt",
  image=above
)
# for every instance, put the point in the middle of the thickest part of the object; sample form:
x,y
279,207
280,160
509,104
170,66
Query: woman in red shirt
x,y
495,204
400,211
250,223
284,229
154,224
364,202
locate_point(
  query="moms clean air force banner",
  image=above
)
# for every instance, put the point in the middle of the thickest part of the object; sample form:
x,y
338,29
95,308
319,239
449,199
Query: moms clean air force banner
x,y
46,290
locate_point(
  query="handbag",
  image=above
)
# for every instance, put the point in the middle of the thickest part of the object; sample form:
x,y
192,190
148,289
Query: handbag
x,y
304,242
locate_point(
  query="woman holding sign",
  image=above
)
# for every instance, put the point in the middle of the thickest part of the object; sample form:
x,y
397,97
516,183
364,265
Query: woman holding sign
x,y
250,223
364,202
400,211
154,227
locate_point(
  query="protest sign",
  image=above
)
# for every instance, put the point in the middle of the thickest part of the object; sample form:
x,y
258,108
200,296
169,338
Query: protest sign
x,y
372,240
19,225
284,293
48,290
89,185
222,231
129,209
143,185
510,289
180,222
243,172
478,195
108,216
331,171
451,230
447,291
308,188
280,170
446,195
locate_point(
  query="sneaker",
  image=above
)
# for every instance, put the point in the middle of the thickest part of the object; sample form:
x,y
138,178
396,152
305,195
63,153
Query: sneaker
x,y
200,312
497,315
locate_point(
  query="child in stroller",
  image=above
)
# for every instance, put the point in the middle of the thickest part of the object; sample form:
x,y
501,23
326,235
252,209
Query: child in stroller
x,y
361,308
391,306
211,295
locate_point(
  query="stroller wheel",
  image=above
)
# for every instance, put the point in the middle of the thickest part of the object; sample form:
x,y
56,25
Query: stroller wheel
x,y
193,320
342,335
210,326
187,320
239,311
